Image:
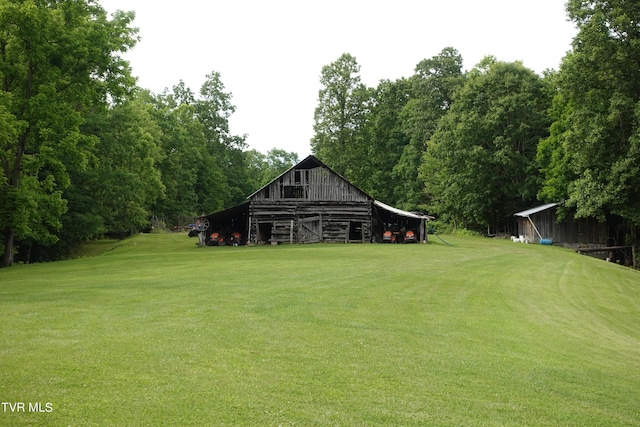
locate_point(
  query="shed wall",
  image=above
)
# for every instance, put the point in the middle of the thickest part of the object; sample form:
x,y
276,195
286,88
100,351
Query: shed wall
x,y
573,233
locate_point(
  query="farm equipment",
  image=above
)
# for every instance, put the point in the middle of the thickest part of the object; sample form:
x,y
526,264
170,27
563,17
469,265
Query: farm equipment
x,y
410,237
235,239
393,235
215,239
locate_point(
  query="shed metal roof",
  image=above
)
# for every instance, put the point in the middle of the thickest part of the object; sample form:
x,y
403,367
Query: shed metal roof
x,y
529,212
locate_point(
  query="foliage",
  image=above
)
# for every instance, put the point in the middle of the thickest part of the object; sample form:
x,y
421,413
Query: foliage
x,y
183,145
591,158
85,153
376,137
386,139
343,104
124,179
213,110
334,338
433,86
57,60
480,163
265,167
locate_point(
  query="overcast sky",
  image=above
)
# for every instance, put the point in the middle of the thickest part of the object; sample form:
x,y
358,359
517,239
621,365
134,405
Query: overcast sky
x,y
270,53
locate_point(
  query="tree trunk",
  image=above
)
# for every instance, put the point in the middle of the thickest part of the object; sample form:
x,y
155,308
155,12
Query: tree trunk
x,y
9,234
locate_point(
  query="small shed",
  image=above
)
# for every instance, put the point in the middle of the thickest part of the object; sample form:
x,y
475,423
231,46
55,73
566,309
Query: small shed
x,y
312,203
541,223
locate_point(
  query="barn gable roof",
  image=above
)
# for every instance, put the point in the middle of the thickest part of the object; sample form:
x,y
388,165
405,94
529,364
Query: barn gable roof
x,y
310,162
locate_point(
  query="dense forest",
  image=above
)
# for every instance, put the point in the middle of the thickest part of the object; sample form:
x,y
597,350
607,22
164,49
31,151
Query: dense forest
x,y
86,153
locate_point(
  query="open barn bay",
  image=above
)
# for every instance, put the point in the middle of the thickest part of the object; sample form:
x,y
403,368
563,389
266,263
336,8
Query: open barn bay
x,y
156,331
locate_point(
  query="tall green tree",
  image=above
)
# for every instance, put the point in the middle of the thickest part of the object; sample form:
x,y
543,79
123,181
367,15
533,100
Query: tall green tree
x,y
57,60
385,141
213,109
592,158
184,152
343,105
433,86
480,163
123,176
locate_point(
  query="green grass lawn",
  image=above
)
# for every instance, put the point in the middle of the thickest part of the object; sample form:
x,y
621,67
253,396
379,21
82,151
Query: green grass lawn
x,y
157,331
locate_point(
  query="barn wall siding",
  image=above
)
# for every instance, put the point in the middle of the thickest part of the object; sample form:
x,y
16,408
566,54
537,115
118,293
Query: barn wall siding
x,y
288,221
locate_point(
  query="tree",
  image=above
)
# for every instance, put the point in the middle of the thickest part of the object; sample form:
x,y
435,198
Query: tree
x,y
553,160
277,162
480,163
57,59
184,150
264,168
343,104
592,158
433,86
385,141
213,110
123,176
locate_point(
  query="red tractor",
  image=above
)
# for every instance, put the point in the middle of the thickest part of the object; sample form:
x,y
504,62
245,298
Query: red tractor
x,y
235,239
393,235
410,237
215,239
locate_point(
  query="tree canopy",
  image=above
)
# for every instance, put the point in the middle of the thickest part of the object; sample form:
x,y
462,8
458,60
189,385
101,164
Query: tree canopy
x,y
58,60
479,165
343,103
592,158
86,153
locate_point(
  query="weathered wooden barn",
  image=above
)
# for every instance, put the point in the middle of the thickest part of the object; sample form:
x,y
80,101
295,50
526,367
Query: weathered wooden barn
x,y
605,240
541,223
312,203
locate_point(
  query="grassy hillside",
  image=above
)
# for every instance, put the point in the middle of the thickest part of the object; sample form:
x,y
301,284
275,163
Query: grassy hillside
x,y
156,331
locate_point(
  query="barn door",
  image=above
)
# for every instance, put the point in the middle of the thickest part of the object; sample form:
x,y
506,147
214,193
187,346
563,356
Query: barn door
x,y
310,230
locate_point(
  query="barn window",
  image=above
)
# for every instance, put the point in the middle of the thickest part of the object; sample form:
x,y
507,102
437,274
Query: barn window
x,y
301,177
293,191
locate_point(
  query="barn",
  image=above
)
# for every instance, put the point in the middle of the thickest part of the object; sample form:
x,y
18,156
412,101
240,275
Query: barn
x,y
311,203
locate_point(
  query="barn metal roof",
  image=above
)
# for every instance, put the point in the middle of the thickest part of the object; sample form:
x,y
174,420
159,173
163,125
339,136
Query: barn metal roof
x,y
401,212
529,212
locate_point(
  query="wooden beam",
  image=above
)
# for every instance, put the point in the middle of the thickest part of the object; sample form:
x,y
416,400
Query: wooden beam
x,y
602,249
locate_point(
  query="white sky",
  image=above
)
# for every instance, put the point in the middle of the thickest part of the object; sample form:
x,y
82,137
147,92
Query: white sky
x,y
270,53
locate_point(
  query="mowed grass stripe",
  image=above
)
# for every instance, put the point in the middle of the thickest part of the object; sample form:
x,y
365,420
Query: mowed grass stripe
x,y
156,331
